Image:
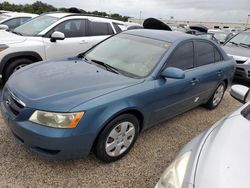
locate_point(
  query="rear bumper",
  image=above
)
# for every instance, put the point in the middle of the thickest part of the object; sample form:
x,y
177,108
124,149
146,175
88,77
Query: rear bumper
x,y
242,72
49,142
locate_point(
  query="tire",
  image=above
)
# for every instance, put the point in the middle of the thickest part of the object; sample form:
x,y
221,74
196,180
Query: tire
x,y
14,66
217,97
115,141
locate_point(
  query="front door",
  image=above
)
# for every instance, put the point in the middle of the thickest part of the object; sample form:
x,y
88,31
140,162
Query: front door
x,y
74,42
175,96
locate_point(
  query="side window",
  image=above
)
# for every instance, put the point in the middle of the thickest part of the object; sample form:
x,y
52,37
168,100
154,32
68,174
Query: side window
x,y
13,23
100,28
117,28
205,53
71,28
217,55
183,57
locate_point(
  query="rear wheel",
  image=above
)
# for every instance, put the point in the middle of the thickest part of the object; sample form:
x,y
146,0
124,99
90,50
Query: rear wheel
x,y
117,138
217,97
14,66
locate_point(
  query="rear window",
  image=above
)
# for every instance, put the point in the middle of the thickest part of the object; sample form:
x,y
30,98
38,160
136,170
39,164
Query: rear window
x,y
100,28
117,28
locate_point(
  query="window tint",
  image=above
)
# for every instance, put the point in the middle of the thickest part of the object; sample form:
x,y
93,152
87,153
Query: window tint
x,y
13,23
183,57
100,28
37,25
205,53
72,28
117,28
217,55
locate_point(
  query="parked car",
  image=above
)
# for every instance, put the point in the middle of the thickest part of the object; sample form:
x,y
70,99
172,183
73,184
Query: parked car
x,y
51,36
11,20
200,31
218,157
101,100
221,35
239,48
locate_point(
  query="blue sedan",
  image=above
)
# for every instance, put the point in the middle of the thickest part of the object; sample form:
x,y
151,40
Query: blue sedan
x,y
102,99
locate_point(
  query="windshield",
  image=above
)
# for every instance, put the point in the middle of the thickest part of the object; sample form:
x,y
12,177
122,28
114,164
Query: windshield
x,y
3,17
241,38
36,25
220,36
128,53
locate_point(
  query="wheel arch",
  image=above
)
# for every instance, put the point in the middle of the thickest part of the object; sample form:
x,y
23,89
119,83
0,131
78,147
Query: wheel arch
x,y
226,82
10,57
134,111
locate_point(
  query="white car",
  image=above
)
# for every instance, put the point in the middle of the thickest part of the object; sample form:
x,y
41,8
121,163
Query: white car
x,y
14,19
51,36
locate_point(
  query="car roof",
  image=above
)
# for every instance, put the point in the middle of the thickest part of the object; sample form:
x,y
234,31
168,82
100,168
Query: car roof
x,y
168,36
19,14
58,14
61,15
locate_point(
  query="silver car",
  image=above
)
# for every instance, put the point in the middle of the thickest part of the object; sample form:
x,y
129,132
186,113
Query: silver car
x,y
217,158
239,48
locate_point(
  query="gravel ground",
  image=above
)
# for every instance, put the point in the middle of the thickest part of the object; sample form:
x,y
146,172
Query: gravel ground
x,y
142,167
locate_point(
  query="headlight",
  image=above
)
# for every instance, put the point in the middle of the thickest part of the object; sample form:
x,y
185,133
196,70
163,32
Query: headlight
x,y
174,175
3,47
56,120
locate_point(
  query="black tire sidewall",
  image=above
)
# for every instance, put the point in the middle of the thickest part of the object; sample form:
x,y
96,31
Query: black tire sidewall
x,y
9,70
210,103
101,141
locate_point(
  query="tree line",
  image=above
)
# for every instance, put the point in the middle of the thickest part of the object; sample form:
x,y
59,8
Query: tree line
x,y
39,7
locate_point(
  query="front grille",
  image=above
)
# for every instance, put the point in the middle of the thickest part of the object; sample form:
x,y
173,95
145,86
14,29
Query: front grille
x,y
240,69
240,62
12,102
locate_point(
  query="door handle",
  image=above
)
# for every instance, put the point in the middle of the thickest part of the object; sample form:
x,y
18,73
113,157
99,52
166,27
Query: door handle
x,y
219,72
84,42
195,81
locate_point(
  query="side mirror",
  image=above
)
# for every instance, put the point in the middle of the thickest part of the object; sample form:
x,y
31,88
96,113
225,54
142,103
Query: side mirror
x,y
4,27
172,72
240,93
57,35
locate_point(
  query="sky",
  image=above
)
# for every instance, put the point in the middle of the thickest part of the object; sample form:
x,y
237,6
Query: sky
x,y
195,10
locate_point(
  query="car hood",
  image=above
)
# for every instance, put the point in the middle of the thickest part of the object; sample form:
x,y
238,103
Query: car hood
x,y
10,38
224,159
239,53
63,85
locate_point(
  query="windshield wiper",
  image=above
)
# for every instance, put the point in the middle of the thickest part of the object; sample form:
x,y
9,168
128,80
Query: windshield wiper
x,y
236,44
17,33
245,45
107,66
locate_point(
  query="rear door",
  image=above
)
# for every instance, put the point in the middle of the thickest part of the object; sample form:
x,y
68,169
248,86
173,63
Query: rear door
x,y
209,68
98,31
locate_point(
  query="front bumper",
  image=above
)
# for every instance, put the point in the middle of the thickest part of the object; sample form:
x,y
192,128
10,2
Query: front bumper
x,y
49,142
242,72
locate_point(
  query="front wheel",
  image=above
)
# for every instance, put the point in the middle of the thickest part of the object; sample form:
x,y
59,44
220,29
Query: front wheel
x,y
14,66
117,138
217,97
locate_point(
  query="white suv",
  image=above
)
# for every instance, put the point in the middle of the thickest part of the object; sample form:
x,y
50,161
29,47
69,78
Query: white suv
x,y
51,36
15,19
